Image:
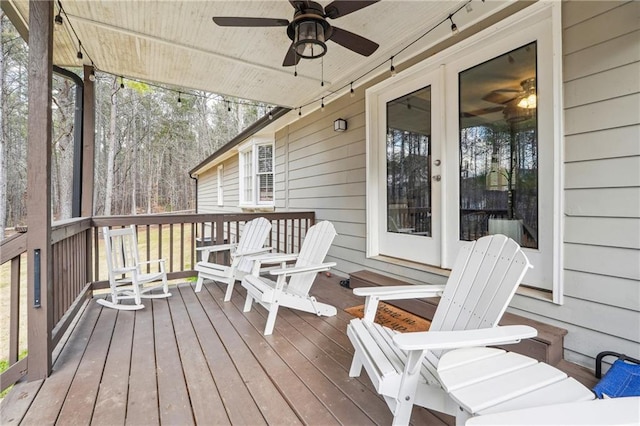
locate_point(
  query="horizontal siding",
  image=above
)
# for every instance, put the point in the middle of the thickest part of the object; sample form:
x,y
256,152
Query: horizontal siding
x,y
611,202
621,142
601,69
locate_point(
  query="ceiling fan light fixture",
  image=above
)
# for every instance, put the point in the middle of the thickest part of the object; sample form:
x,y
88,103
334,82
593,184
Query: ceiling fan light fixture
x,y
309,39
529,99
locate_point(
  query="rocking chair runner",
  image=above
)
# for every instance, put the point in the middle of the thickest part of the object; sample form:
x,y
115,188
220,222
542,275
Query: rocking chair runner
x,y
126,278
251,243
403,367
295,293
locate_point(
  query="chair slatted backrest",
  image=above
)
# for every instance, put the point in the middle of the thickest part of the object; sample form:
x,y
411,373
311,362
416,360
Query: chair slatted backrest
x,y
483,280
314,249
121,250
253,237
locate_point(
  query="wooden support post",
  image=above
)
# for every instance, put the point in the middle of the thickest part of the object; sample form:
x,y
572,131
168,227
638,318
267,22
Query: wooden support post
x,y
39,271
88,142
88,153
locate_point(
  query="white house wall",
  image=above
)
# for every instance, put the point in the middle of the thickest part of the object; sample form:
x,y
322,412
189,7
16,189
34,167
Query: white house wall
x,y
324,171
601,48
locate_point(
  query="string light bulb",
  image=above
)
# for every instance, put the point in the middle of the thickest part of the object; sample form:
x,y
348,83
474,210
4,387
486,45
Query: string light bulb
x,y
179,98
58,18
92,75
322,104
392,70
270,114
121,82
454,27
228,106
300,112
79,55
352,93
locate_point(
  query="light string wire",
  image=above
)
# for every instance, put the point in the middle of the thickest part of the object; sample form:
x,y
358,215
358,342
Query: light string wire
x,y
215,96
371,70
249,103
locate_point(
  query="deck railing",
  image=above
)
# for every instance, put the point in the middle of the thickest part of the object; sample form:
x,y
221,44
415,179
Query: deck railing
x,y
78,265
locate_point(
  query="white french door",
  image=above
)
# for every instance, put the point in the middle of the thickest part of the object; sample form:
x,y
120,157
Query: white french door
x,y
409,169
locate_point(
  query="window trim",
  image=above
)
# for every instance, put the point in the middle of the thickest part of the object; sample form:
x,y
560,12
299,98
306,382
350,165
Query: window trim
x,y
510,31
251,148
220,179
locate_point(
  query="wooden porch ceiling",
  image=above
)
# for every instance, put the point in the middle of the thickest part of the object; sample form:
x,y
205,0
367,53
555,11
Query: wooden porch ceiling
x,y
176,43
193,359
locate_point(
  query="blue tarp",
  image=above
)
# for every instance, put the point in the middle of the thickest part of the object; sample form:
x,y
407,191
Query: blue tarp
x,y
622,379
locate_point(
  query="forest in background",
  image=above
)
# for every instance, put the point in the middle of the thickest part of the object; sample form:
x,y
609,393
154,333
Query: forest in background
x,y
147,139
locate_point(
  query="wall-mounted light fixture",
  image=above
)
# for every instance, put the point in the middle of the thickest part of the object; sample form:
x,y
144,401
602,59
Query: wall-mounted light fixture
x,y
340,125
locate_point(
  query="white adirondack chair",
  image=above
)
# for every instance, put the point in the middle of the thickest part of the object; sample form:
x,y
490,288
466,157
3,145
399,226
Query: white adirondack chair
x,y
403,367
254,236
295,293
126,277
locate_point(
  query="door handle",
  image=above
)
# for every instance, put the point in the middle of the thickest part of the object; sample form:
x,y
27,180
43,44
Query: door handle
x,y
437,178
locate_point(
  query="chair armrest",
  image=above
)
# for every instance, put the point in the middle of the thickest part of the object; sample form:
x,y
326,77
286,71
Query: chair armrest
x,y
302,269
148,262
252,252
433,340
400,291
219,247
271,258
397,292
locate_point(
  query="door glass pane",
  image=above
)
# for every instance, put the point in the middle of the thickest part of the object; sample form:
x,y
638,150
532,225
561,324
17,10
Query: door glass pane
x,y
499,148
408,163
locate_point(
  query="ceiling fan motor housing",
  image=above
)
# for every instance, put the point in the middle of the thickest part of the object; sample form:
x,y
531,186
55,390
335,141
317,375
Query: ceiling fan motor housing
x,y
309,30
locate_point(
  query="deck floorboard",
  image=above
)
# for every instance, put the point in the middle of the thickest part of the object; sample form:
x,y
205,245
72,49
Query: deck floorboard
x,y
194,359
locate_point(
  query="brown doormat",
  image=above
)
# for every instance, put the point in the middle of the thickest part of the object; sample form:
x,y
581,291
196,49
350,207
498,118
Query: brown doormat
x,y
394,318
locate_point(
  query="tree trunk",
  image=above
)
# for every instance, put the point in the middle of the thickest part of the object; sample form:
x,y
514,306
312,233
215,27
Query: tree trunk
x,y
3,145
111,149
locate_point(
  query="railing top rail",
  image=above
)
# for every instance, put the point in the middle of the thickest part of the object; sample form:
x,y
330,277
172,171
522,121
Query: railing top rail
x,y
13,246
187,218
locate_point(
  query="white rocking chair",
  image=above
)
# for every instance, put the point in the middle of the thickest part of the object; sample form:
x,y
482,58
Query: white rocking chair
x,y
126,278
251,243
295,293
403,367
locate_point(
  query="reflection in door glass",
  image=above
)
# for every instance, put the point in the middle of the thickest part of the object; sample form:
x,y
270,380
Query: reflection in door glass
x,y
499,148
408,163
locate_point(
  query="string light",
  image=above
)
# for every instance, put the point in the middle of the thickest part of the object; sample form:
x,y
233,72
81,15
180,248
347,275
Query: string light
x,y
392,69
179,98
322,105
79,55
351,91
121,82
58,18
228,106
270,114
92,74
300,112
454,27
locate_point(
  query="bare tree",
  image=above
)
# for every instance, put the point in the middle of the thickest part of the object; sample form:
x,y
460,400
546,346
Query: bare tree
x,y
111,147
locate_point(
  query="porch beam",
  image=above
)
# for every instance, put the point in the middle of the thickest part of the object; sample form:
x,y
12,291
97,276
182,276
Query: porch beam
x,y
88,143
39,271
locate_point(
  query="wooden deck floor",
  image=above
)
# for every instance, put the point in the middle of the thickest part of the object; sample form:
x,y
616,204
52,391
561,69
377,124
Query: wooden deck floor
x,y
192,359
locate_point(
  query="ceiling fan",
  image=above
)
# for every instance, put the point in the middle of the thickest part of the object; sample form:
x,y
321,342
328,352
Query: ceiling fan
x,y
309,29
509,99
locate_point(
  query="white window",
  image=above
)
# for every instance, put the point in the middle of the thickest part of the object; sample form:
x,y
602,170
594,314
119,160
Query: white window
x,y
256,174
220,185
468,144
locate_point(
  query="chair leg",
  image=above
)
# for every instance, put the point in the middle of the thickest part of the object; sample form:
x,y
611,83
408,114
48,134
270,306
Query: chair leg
x,y
402,414
229,292
356,366
248,303
199,283
271,319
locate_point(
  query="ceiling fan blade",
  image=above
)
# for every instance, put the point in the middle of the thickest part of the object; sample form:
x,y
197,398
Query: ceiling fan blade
x,y
353,41
290,59
237,21
497,97
482,111
340,8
